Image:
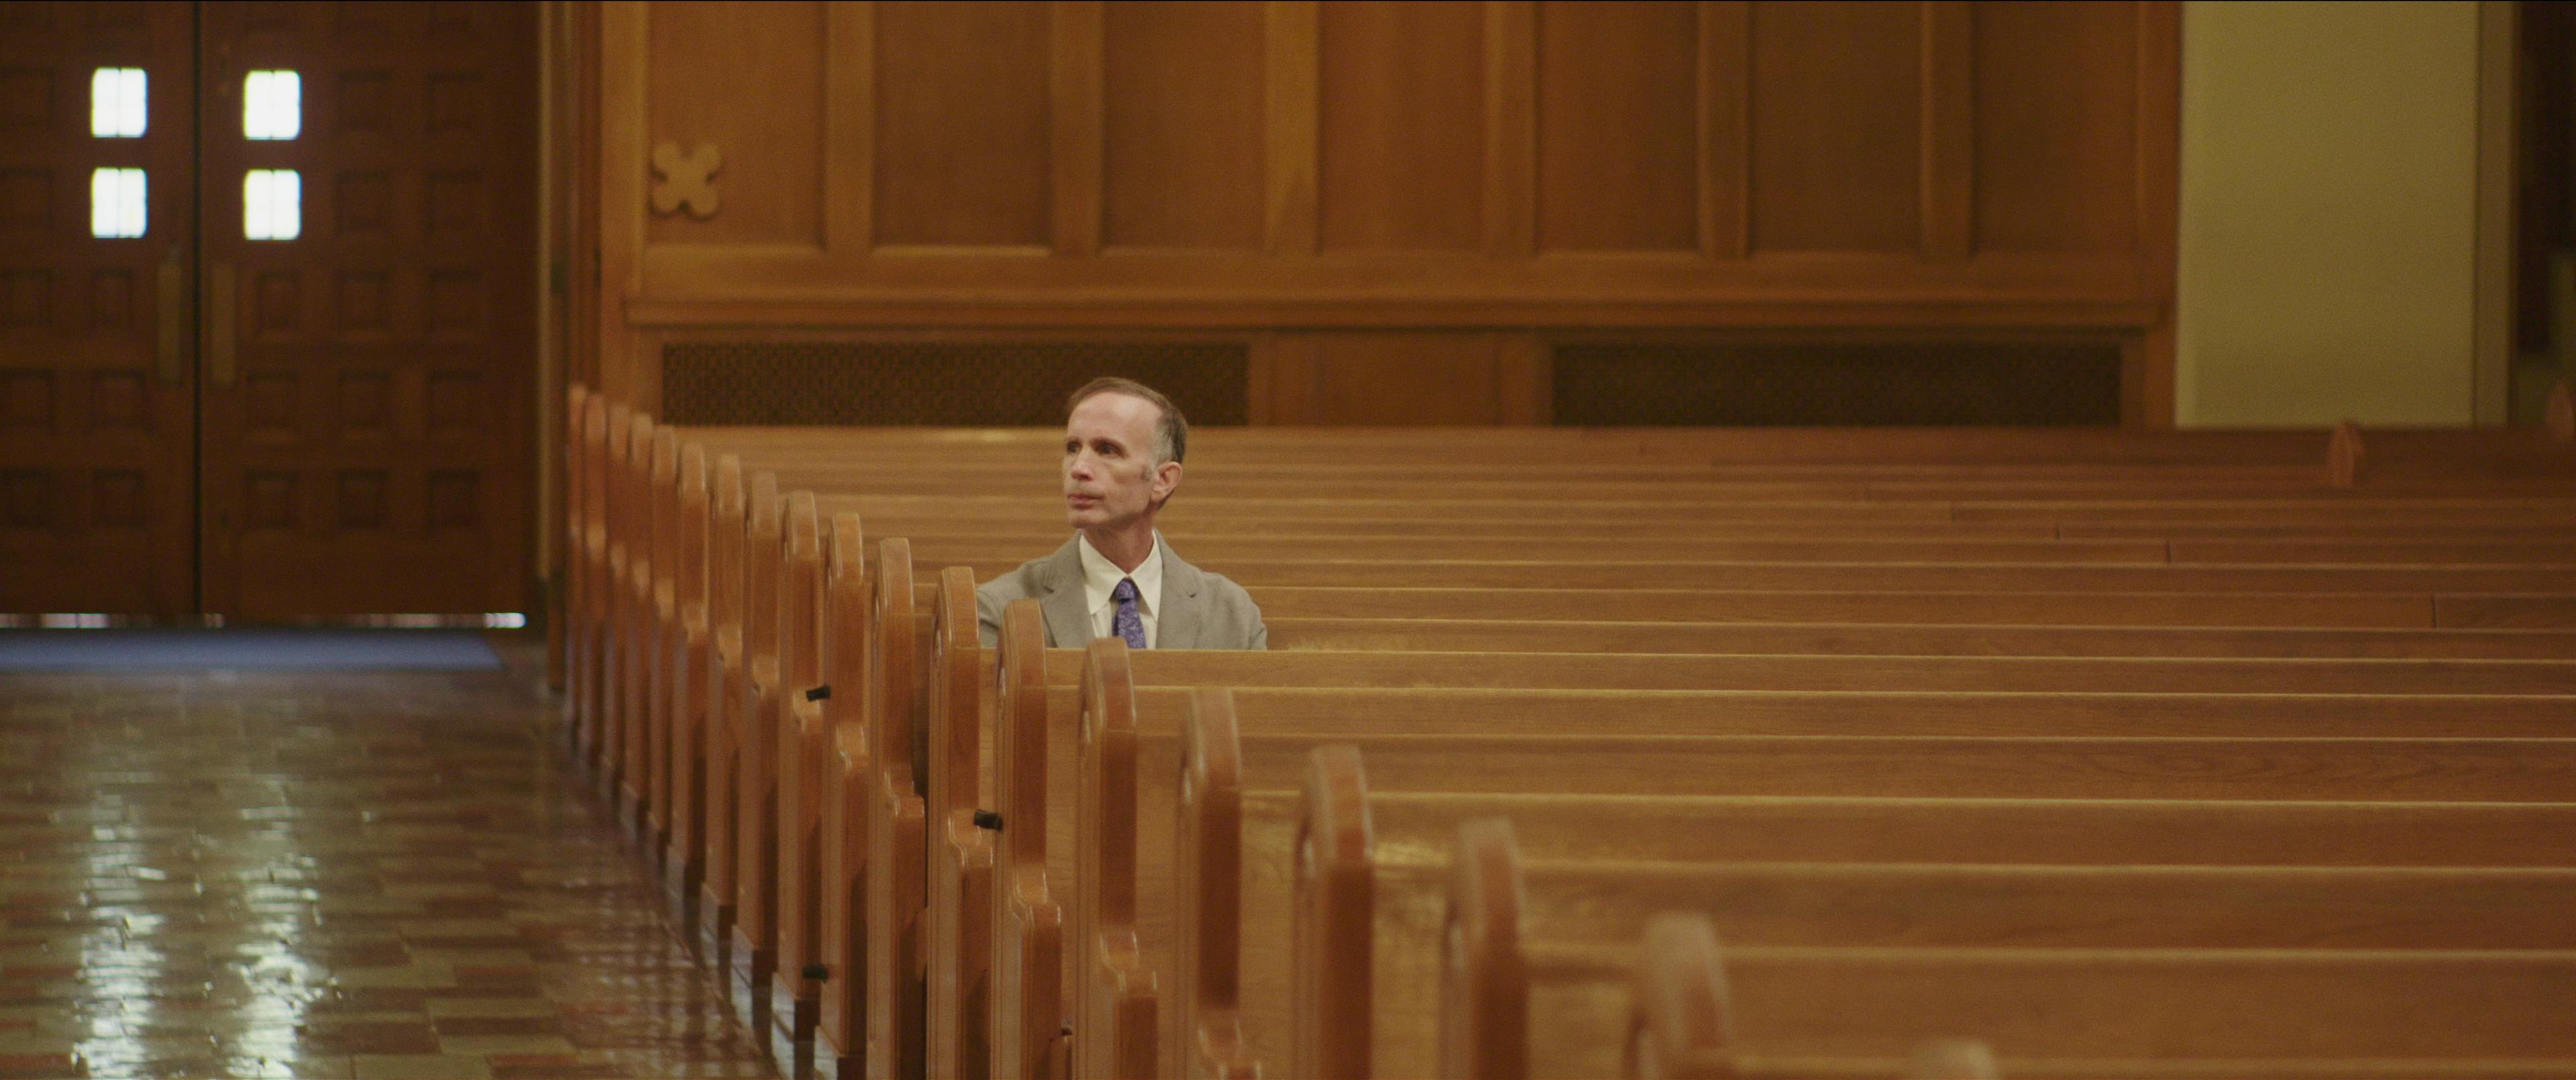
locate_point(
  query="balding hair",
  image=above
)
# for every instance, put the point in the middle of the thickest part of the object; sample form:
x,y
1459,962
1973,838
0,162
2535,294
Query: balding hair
x,y
1171,431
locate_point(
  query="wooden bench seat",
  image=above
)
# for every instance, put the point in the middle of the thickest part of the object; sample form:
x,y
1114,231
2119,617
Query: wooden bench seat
x,y
1132,751
634,607
1287,671
1345,821
1510,916
755,840
1483,635
1308,544
2107,608
2161,1013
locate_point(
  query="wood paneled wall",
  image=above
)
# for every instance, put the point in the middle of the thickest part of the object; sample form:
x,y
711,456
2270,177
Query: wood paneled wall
x,y
1398,204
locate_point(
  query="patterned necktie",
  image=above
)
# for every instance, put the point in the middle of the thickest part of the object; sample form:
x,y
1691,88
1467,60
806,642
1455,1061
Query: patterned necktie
x,y
1128,625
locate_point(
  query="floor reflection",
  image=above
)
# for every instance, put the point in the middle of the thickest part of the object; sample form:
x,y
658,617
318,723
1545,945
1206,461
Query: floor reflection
x,y
325,875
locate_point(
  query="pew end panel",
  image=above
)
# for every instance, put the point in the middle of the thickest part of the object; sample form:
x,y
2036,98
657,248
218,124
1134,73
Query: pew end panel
x,y
572,619
610,596
960,870
683,642
1680,1023
798,741
897,829
662,616
1484,980
1208,1033
841,825
1027,992
632,593
841,1021
1115,1000
591,566
755,727
1334,921
718,768
649,602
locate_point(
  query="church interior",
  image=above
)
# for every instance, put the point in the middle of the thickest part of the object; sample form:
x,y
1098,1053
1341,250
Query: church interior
x,y
1782,538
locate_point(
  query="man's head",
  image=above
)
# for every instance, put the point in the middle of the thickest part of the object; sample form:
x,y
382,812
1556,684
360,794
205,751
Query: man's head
x,y
1123,444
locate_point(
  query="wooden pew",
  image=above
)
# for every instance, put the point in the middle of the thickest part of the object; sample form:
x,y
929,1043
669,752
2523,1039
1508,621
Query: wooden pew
x,y
1497,916
1132,751
2185,610
1023,779
1014,555
564,652
2086,1012
890,813
1873,639
681,701
714,764
1335,821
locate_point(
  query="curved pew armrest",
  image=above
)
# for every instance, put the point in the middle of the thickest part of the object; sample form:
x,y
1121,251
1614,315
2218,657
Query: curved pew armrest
x,y
1335,920
1484,980
1115,999
1209,906
1680,1021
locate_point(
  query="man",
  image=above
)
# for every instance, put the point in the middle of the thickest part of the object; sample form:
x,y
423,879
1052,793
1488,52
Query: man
x,y
1117,577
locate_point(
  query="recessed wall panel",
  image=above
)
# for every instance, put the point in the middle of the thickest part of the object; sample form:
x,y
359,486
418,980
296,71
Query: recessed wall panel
x,y
1837,127
2056,127
1618,116
747,78
962,124
1183,126
1401,127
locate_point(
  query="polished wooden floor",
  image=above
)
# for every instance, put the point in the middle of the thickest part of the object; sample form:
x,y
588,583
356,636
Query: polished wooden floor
x,y
327,875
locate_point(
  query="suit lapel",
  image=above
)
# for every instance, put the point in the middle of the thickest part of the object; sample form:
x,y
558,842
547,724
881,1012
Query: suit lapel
x,y
1178,625
1068,618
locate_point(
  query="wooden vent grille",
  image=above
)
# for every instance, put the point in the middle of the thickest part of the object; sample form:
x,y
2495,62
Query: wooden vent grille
x,y
937,384
1837,385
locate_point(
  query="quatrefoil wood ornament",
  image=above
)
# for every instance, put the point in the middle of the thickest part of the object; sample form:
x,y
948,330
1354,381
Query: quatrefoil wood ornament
x,y
688,180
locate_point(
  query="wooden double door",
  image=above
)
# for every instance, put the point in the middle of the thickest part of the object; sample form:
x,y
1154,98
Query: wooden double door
x,y
267,307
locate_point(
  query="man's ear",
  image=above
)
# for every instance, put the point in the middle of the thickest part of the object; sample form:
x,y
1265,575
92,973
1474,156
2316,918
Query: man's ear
x,y
1167,478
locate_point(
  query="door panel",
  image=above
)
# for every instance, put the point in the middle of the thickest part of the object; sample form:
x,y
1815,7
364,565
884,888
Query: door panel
x,y
368,373
97,410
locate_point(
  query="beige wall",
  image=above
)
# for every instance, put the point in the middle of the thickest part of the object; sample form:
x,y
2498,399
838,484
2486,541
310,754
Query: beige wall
x,y
2327,213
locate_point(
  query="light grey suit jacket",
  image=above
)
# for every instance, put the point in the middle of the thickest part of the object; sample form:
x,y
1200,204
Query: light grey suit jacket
x,y
1200,610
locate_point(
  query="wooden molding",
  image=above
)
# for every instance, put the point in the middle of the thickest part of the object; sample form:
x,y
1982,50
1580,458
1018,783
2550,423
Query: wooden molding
x,y
1949,129
2344,453
1076,160
1291,205
850,127
1511,128
1725,129
687,180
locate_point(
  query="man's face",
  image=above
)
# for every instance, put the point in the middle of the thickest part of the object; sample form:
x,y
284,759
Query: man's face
x,y
1110,478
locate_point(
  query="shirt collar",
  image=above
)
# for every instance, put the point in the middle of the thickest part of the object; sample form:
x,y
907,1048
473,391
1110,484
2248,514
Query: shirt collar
x,y
1100,577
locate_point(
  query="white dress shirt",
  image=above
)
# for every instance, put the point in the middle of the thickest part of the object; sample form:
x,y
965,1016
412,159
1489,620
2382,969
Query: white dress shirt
x,y
1100,577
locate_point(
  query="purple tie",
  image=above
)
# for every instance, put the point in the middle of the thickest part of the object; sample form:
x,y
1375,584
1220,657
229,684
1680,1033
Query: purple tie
x,y
1126,623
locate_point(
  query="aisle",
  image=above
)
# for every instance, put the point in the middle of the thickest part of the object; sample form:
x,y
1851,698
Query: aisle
x,y
379,875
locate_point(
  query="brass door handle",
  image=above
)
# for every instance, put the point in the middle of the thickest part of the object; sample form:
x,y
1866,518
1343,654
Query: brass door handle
x,y
221,370
173,308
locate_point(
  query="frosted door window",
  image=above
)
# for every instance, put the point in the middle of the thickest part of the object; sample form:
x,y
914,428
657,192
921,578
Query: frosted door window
x,y
116,203
117,103
272,204
272,105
